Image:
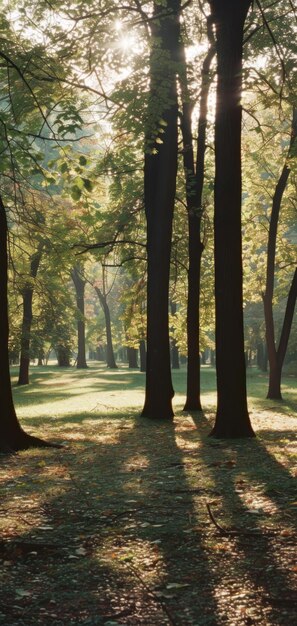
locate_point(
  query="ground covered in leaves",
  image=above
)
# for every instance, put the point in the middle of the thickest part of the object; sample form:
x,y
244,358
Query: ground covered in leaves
x,y
142,523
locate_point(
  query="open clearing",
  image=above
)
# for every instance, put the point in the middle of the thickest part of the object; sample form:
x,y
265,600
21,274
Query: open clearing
x,y
116,528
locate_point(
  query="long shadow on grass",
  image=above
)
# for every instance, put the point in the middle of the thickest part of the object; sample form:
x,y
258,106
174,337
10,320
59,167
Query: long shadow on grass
x,y
249,478
129,508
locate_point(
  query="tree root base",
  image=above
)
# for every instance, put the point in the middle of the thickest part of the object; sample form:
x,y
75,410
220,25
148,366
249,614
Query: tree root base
x,y
23,441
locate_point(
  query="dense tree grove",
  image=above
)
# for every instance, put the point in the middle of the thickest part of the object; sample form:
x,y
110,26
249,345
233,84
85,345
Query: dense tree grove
x,y
148,195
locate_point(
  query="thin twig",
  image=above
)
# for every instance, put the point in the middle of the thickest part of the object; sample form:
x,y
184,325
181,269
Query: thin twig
x,y
152,593
235,532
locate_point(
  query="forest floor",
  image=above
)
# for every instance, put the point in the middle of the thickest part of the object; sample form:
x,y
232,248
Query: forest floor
x,y
142,523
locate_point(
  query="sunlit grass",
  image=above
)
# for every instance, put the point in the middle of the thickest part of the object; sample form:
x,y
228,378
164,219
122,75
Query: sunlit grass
x,y
60,401
57,391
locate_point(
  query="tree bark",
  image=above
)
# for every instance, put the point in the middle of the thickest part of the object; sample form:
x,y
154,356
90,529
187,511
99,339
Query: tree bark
x,y
142,352
174,348
79,284
287,323
261,356
194,175
132,358
110,358
100,353
174,355
12,436
63,355
159,190
276,355
27,295
276,364
232,418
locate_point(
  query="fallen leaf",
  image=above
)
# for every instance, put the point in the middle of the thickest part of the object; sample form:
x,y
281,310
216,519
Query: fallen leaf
x,y
22,593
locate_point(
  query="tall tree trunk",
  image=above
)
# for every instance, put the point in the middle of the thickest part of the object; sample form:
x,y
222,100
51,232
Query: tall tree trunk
x,y
159,190
212,358
276,365
194,175
79,284
262,360
174,348
174,355
100,353
142,352
63,355
132,358
110,358
12,436
287,323
276,356
27,295
232,418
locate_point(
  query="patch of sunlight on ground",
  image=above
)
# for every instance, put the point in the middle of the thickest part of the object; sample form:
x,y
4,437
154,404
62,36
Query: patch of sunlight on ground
x,y
139,461
146,552
255,501
82,402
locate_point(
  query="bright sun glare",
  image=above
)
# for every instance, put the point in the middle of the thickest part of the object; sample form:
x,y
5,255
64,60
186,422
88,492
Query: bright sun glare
x,y
127,42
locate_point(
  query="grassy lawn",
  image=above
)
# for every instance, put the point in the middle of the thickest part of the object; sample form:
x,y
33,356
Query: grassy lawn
x,y
115,527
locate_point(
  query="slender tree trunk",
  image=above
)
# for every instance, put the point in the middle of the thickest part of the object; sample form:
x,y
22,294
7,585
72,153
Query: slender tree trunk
x,y
159,189
212,358
265,359
132,358
174,349
63,355
261,356
100,353
12,436
232,418
142,352
79,284
27,294
287,323
110,358
174,355
276,356
194,175
276,365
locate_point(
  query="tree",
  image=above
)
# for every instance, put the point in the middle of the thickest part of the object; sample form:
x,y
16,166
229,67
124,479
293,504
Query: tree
x,y
270,190
174,346
102,295
79,284
232,418
12,436
27,296
27,101
276,355
160,172
194,176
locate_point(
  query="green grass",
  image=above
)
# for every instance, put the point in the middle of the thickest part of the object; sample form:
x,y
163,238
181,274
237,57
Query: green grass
x,y
59,392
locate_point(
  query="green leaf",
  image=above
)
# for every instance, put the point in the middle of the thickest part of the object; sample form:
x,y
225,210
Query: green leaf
x,y
63,168
88,184
75,193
